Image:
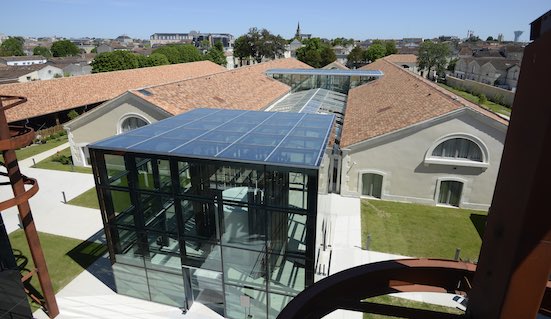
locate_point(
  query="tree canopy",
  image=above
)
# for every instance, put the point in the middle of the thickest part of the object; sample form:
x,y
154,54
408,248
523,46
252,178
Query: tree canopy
x,y
316,53
259,44
433,56
355,57
43,51
375,51
390,47
342,41
64,48
216,54
12,46
180,53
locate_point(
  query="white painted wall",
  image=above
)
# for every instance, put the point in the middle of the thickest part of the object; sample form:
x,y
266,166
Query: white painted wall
x,y
400,159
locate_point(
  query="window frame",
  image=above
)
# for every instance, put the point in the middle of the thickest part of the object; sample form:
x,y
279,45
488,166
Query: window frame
x,y
431,159
371,171
450,179
127,116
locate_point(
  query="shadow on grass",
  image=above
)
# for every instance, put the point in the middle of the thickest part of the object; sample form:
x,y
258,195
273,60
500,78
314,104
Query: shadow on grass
x,y
91,255
479,222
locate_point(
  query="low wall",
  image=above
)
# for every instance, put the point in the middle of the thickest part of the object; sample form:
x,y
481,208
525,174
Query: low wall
x,y
493,93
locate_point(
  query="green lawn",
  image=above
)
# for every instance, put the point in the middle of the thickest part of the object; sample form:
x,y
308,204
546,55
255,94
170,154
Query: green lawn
x,y
422,231
48,163
65,257
35,149
498,108
389,300
87,199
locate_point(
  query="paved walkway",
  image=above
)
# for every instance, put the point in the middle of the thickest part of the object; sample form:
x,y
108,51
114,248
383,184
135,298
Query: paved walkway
x,y
50,214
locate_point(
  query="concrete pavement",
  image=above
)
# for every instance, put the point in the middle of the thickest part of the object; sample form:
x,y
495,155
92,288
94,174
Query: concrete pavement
x,y
50,214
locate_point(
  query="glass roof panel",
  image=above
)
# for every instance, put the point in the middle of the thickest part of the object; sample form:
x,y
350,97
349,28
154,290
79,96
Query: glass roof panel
x,y
373,73
275,138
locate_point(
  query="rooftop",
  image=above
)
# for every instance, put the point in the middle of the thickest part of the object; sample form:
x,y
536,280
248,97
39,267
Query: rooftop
x,y
397,100
245,88
45,97
276,138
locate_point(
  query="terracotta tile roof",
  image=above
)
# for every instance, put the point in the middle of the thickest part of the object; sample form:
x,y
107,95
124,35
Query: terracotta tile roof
x,y
245,88
397,100
336,65
56,95
402,58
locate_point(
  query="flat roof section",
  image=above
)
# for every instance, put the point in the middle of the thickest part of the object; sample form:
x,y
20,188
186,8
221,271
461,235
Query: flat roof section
x,y
275,138
334,72
312,101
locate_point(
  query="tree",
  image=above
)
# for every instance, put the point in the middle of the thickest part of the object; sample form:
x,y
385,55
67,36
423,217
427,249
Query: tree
x,y
113,61
451,64
355,57
156,59
170,52
64,48
259,44
216,54
490,38
390,47
45,52
72,114
12,46
433,56
180,53
375,51
316,53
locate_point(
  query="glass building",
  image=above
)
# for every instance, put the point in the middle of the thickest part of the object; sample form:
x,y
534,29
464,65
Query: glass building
x,y
214,206
340,81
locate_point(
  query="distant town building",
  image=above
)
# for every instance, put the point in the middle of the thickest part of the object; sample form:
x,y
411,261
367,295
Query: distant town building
x,y
22,60
35,72
194,37
492,71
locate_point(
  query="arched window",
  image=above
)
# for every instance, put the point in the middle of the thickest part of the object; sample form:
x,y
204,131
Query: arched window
x,y
131,122
372,185
458,150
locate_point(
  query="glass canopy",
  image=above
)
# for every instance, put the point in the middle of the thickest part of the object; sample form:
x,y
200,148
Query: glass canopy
x,y
278,138
331,79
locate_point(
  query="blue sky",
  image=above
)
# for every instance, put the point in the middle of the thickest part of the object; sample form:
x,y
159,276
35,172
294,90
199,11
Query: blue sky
x,y
323,18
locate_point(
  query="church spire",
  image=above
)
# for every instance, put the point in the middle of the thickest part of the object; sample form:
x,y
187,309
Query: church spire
x,y
297,35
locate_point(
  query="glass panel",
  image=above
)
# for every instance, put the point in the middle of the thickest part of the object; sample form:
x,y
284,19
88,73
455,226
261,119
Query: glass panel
x,y
126,246
244,267
240,184
202,254
164,252
131,281
132,123
117,173
184,176
245,302
244,227
295,156
199,219
145,173
298,190
207,289
287,233
167,288
247,152
287,274
122,207
458,148
158,144
277,303
158,212
165,180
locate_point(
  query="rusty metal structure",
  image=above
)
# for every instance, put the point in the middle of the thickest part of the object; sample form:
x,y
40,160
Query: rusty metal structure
x,y
512,278
12,138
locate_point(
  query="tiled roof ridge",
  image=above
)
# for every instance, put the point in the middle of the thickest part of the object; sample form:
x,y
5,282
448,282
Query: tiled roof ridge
x,y
240,69
462,102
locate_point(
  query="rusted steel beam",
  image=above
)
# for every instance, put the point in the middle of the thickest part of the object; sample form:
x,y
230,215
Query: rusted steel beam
x,y
397,311
515,259
16,137
359,283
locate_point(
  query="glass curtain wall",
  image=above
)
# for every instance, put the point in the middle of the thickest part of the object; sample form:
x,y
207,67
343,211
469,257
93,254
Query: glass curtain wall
x,y
237,237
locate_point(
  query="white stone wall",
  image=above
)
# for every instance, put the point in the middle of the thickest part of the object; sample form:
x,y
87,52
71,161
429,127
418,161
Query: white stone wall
x,y
400,159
